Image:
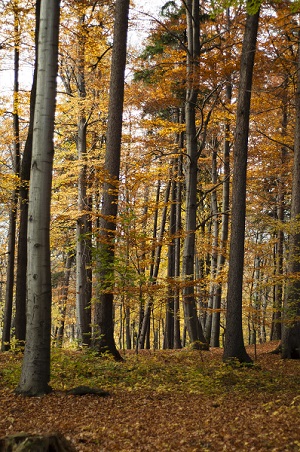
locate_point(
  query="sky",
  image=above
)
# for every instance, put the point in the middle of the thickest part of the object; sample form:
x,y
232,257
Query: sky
x,y
137,33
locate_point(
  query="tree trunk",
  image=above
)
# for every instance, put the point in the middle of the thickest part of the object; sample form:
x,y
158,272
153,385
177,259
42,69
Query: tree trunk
x,y
145,329
14,202
35,373
214,247
169,322
290,344
216,316
193,325
64,298
234,342
21,283
83,226
106,253
279,246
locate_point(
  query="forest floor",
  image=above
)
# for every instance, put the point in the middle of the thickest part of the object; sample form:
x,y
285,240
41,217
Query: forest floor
x,y
161,401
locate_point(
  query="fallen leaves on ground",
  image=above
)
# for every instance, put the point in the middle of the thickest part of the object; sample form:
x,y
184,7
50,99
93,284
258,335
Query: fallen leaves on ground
x,y
163,401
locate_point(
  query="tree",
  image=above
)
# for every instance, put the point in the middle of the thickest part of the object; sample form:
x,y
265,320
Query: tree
x,y
234,343
189,303
21,294
290,343
13,210
83,227
35,373
104,340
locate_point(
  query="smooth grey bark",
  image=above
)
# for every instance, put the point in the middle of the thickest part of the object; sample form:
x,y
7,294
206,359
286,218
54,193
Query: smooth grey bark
x,y
104,339
21,283
9,293
35,375
234,341
290,343
192,323
83,225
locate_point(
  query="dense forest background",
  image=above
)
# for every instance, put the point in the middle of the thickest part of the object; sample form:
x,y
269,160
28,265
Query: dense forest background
x,y
167,278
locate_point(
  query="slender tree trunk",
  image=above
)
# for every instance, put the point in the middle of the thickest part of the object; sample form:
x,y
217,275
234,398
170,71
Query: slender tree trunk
x,y
216,316
178,227
290,344
35,375
169,319
21,283
234,342
14,202
214,251
154,271
63,299
83,226
106,253
193,325
279,247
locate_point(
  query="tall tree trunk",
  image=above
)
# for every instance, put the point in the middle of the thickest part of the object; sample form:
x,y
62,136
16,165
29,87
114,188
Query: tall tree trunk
x,y
21,283
14,202
290,343
193,325
216,316
106,253
177,335
35,373
279,247
234,342
83,226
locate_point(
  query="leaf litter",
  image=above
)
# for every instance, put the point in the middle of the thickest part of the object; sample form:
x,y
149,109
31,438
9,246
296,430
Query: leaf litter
x,y
161,401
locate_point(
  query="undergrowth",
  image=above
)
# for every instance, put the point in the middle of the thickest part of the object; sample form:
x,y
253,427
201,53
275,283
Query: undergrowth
x,y
164,371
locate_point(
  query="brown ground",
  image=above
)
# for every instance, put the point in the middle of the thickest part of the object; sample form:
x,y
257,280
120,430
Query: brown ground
x,y
166,421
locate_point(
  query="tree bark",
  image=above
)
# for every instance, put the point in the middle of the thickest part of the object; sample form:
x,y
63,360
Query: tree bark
x,y
21,283
145,328
35,373
216,316
193,325
64,298
234,342
83,226
290,344
104,340
14,202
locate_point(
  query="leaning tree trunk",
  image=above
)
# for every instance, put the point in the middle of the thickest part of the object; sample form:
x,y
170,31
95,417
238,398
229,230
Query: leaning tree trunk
x,y
234,341
104,340
290,344
35,373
